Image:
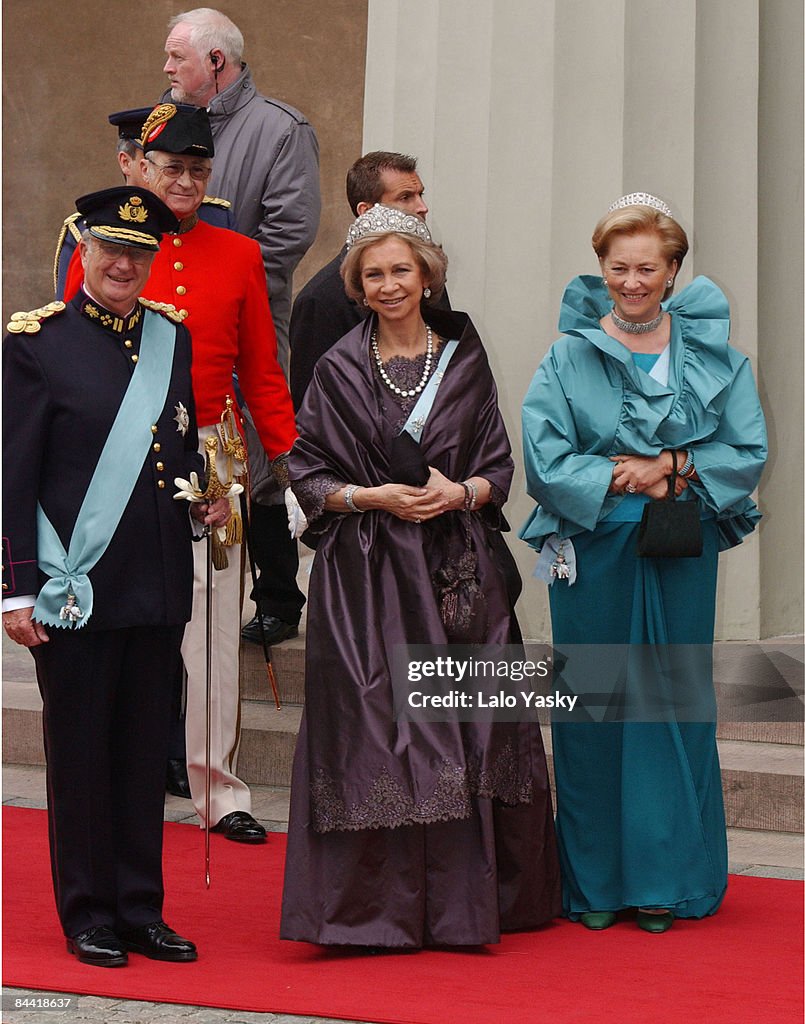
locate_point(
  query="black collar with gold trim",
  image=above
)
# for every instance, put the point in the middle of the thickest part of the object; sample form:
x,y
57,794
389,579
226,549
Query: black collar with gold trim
x,y
111,321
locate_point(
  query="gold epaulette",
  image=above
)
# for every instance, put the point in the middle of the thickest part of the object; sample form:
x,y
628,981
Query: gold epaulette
x,y
166,308
68,224
216,201
31,323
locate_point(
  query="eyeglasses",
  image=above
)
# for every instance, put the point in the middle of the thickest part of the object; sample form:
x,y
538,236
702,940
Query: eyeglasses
x,y
110,251
196,171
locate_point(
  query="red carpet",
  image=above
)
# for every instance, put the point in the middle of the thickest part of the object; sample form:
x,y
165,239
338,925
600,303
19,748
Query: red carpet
x,y
743,965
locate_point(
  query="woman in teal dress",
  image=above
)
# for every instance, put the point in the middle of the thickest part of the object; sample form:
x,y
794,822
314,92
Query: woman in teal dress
x,y
637,379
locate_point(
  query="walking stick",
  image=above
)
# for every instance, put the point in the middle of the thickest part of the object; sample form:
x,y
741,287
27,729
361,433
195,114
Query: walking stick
x,y
190,490
244,513
207,711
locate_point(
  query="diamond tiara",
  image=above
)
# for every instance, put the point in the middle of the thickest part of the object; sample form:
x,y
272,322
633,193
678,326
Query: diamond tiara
x,y
641,199
380,219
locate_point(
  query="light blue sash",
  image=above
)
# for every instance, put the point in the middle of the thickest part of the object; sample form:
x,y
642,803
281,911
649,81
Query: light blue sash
x,y
109,490
419,414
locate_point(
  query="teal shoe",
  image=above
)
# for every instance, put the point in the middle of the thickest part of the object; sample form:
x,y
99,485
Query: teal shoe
x,y
655,923
598,920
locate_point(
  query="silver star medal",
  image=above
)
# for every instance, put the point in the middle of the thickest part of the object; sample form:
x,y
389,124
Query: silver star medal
x,y
182,419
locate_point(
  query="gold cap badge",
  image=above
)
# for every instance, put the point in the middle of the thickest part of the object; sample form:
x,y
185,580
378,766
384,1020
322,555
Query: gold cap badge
x,y
133,211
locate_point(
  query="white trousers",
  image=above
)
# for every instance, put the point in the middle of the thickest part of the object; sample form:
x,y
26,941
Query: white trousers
x,y
227,792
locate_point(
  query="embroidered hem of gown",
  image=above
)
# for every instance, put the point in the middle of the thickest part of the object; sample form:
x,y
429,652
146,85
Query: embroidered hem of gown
x,y
388,805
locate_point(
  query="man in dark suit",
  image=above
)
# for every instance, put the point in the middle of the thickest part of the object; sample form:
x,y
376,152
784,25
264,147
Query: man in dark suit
x,y
322,312
98,421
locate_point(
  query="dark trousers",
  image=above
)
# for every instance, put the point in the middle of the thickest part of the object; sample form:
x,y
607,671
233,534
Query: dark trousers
x,y
107,697
275,591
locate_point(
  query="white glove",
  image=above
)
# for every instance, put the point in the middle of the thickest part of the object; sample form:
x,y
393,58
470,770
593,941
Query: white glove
x,y
297,521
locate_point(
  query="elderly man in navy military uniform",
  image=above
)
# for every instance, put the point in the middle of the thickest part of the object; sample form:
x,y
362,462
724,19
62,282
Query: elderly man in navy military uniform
x,y
98,421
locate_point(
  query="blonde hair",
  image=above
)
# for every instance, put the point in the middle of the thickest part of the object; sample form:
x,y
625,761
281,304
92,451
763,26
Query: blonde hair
x,y
430,259
634,220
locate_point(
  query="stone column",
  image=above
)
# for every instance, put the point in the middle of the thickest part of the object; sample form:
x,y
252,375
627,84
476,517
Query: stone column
x,y
530,116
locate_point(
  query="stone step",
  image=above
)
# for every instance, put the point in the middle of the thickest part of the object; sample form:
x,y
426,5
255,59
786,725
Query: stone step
x,y
763,785
762,763
736,666
267,742
288,662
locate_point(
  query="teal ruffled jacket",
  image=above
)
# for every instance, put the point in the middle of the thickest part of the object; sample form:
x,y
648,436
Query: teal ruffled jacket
x,y
588,400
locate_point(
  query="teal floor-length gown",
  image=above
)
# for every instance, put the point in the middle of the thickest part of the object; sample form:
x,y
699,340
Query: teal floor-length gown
x,y
640,815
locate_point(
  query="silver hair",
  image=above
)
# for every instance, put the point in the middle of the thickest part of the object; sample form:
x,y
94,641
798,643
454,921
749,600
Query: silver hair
x,y
131,147
211,30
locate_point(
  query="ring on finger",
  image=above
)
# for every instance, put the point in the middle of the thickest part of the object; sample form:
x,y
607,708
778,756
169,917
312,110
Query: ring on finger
x,y
631,488
418,520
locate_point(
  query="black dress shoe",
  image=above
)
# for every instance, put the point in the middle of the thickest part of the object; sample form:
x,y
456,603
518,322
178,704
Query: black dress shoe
x,y
240,827
176,781
99,947
159,942
275,630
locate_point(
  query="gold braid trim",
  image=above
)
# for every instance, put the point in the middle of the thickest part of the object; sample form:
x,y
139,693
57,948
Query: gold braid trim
x,y
30,323
67,225
216,201
166,308
113,234
159,115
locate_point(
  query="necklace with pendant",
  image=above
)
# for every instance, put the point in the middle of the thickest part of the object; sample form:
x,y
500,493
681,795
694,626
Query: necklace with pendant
x,y
389,382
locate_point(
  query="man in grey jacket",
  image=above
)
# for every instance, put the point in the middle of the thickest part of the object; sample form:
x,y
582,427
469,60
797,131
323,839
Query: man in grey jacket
x,y
267,165
266,153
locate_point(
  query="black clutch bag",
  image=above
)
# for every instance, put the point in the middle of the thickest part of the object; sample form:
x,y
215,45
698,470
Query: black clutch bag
x,y
670,528
407,464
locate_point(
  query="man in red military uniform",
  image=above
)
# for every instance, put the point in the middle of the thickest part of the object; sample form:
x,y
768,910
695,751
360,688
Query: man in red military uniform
x,y
217,278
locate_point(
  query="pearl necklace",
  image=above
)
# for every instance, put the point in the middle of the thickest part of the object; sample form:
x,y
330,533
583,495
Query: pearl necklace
x,y
389,382
632,328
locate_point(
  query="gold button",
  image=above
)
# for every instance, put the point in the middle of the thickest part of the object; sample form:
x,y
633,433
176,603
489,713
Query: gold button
x,y
160,466
128,343
5,586
160,484
178,266
154,428
183,312
181,290
177,242
134,358
157,447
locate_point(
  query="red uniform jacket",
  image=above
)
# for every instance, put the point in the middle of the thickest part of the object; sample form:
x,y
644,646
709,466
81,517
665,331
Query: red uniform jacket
x,y
219,278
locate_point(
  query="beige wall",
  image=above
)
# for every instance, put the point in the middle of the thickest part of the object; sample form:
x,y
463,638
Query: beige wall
x,y
780,275
530,116
67,65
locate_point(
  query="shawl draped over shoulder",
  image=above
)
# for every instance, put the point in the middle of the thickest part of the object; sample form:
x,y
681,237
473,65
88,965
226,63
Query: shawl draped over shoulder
x,y
589,400
371,590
